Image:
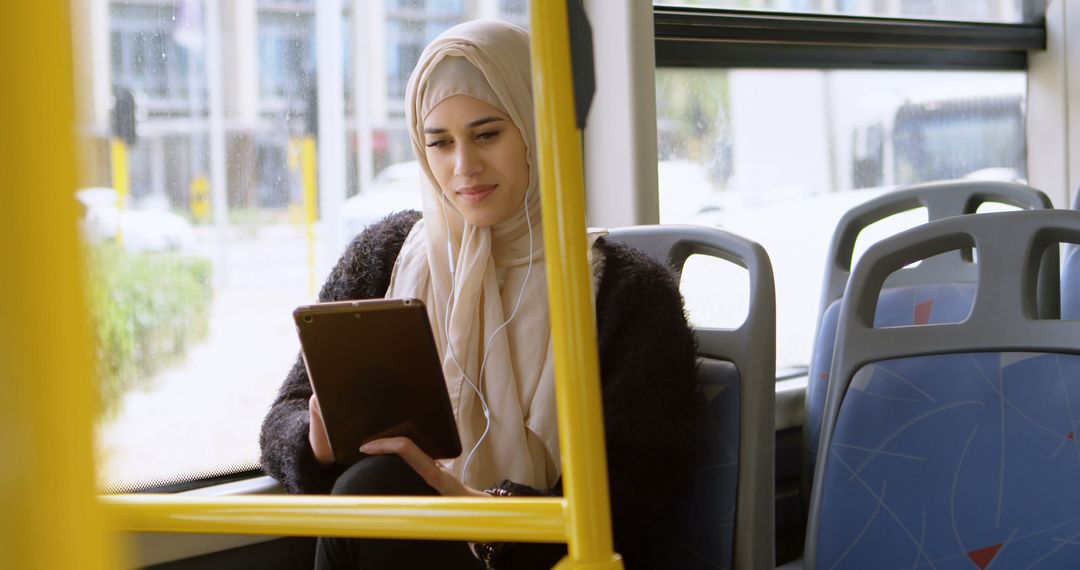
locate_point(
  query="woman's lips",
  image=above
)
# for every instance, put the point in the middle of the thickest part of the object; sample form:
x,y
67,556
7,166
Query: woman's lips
x,y
476,194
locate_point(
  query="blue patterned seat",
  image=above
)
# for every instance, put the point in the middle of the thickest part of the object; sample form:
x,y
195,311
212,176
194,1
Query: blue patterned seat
x,y
956,461
699,530
723,517
899,306
930,304
955,445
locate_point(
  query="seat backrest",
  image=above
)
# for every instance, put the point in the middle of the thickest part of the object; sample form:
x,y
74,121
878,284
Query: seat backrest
x,y
914,294
953,445
724,517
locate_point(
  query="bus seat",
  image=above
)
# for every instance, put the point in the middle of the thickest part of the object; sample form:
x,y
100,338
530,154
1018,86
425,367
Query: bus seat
x,y
1070,276
911,295
953,445
724,516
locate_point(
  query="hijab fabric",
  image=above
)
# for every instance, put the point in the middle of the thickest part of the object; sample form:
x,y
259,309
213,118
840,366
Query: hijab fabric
x,y
468,306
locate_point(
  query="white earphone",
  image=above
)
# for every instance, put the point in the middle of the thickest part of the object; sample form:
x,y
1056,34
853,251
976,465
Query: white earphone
x,y
477,387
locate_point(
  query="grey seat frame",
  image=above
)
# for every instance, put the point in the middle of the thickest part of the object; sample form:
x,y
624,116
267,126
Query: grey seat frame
x,y
752,349
1003,318
941,200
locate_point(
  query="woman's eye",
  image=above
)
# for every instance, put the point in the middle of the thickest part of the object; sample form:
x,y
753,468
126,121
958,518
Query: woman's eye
x,y
438,143
487,135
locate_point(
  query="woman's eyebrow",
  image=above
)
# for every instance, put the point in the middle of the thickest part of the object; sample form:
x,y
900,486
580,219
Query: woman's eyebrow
x,y
471,125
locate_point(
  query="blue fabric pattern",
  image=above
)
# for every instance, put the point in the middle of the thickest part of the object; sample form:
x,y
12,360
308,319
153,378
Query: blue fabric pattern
x,y
699,531
955,461
897,306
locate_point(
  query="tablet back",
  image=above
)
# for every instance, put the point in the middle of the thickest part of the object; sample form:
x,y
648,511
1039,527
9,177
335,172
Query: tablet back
x,y
375,369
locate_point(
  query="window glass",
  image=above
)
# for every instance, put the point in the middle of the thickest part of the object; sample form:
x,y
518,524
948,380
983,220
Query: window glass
x,y
779,156
196,254
1003,11
699,274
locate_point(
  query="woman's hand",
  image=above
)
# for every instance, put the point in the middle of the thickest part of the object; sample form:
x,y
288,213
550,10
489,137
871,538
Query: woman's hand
x,y
430,470
320,443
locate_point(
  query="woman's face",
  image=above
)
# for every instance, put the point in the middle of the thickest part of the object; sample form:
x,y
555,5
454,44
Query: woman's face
x,y
478,158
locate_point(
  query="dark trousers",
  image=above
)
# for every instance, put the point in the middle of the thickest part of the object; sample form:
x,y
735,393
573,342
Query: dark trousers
x,y
389,475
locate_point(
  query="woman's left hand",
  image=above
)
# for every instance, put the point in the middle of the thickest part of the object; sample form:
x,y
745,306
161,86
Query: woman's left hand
x,y
430,470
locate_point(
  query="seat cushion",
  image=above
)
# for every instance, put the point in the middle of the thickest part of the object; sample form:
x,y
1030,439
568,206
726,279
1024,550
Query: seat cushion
x,y
955,461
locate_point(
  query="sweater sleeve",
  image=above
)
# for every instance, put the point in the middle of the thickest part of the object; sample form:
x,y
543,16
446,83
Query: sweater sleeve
x,y
363,272
652,404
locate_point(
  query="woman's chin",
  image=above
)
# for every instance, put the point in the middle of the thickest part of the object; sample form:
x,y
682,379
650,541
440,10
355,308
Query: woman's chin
x,y
480,217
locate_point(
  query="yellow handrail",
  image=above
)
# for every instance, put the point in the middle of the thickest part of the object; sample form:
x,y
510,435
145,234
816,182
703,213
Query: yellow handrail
x,y
48,516
507,519
53,420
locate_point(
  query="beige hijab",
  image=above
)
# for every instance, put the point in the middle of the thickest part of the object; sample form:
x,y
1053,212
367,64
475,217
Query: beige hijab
x,y
492,273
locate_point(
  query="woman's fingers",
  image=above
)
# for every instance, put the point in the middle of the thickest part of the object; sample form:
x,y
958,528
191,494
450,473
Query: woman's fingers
x,y
404,447
429,470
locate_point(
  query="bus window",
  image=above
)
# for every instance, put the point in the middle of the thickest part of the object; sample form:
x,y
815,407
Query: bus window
x,y
203,225
779,156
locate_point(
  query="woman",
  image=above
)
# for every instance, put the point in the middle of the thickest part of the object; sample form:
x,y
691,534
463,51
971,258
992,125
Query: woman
x,y
475,257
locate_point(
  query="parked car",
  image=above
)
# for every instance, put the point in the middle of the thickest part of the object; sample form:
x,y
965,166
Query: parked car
x,y
394,188
143,229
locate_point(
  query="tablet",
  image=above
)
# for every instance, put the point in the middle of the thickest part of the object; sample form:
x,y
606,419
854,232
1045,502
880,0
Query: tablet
x,y
376,372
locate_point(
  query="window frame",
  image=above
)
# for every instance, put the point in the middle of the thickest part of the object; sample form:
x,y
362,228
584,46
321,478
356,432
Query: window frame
x,y
714,37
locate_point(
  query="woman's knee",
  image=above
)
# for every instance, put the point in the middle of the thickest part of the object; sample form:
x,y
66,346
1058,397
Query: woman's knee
x,y
381,475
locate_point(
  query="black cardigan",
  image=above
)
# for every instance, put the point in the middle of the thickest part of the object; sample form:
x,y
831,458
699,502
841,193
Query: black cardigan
x,y
647,359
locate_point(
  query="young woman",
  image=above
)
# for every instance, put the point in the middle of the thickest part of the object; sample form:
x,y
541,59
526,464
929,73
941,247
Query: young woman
x,y
475,257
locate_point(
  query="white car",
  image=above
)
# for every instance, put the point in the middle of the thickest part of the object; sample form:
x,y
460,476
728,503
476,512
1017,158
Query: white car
x,y
149,229
394,188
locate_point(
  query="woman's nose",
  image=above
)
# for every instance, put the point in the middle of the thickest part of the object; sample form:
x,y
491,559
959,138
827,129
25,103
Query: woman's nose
x,y
467,162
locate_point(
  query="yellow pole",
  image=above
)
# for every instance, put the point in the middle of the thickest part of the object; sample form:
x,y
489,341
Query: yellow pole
x,y
311,204
573,322
48,515
120,180
507,519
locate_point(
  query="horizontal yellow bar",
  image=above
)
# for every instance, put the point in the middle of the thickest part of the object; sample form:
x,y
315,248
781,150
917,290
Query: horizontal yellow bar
x,y
503,519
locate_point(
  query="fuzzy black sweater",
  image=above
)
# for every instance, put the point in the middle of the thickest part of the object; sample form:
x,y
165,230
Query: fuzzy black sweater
x,y
647,359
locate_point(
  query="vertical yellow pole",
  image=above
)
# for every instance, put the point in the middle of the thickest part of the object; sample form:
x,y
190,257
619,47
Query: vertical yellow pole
x,y
311,204
120,180
573,322
48,514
